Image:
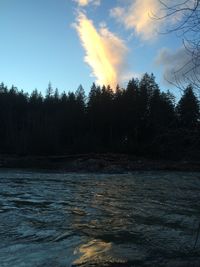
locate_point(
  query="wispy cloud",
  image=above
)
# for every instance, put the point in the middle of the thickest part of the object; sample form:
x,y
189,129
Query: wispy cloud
x,y
141,16
138,16
178,66
105,52
87,2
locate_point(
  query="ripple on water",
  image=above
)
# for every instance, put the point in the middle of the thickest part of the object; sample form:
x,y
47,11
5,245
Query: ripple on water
x,y
139,219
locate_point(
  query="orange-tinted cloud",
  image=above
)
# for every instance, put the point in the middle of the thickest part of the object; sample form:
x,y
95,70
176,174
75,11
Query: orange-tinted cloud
x,y
104,52
144,16
86,2
138,16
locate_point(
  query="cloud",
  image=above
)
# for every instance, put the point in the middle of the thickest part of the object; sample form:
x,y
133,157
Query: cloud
x,y
179,67
140,15
105,53
87,2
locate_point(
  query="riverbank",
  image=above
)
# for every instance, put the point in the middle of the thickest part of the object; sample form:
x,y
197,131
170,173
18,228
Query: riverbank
x,y
110,163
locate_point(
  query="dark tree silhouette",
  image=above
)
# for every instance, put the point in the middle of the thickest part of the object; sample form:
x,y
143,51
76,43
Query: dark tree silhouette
x,y
188,109
139,120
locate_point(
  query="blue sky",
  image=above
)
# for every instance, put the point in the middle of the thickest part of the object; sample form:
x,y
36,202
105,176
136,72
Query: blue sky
x,y
42,41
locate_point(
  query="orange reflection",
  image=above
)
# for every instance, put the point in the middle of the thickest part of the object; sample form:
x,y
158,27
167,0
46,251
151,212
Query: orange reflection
x,y
97,252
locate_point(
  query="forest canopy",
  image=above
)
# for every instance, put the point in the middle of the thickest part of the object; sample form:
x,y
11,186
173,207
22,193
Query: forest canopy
x,y
140,120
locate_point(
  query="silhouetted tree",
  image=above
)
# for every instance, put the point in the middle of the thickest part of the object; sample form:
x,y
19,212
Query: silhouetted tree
x,y
49,91
138,119
188,109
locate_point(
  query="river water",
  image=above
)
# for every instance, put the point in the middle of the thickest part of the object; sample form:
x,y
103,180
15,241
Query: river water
x,y
136,219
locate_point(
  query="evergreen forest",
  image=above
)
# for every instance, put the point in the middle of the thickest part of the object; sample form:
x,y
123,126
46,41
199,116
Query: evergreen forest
x,y
140,120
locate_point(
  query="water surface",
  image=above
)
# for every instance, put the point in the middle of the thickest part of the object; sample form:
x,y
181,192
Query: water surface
x,y
136,219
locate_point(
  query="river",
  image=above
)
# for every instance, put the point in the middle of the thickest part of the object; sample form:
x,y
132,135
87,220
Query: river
x,y
135,219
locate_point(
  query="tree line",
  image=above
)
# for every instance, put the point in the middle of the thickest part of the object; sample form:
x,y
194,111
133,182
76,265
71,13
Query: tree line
x,y
140,120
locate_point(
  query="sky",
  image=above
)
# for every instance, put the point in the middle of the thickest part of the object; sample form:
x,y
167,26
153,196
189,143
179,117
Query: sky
x,y
73,42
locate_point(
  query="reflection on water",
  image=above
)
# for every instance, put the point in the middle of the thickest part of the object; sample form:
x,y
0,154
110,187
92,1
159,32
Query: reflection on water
x,y
63,220
95,251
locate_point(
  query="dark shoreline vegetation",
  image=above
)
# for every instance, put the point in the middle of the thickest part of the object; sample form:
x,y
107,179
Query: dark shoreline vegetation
x,y
139,123
95,163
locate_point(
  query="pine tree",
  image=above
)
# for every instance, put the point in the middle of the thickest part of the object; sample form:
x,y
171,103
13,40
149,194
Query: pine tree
x,y
188,109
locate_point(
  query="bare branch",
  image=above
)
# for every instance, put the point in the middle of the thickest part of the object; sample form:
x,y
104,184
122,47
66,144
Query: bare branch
x,y
187,17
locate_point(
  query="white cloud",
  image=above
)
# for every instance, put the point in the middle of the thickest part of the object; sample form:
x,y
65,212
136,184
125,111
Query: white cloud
x,y
87,2
105,52
140,15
